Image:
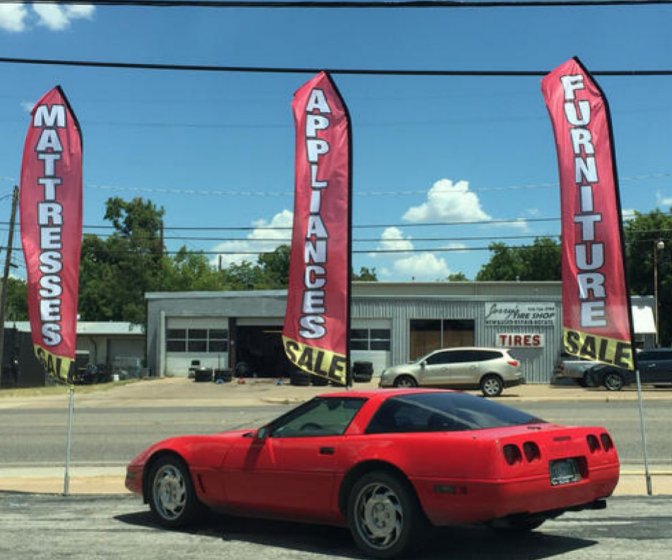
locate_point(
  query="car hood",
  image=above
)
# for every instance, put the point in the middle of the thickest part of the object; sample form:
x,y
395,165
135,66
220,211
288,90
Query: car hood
x,y
197,450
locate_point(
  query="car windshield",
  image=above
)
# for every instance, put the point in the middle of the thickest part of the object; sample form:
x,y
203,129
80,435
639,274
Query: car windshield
x,y
321,416
432,412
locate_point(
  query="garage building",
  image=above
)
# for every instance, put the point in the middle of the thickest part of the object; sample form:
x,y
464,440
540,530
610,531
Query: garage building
x,y
392,323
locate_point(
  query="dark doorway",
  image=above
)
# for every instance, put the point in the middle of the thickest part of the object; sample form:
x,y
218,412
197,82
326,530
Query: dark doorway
x,y
260,349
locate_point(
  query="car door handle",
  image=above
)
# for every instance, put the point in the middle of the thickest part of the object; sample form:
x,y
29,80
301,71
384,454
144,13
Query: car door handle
x,y
327,451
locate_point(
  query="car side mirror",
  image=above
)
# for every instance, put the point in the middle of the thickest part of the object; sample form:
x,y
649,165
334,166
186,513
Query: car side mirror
x,y
423,363
262,433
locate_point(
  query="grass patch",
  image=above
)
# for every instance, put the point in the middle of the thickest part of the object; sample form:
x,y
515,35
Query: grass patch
x,y
62,389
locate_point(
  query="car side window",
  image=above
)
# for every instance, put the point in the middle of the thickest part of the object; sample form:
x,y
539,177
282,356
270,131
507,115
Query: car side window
x,y
441,358
322,416
395,416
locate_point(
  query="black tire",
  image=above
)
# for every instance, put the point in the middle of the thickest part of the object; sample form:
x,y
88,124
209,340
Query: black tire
x,y
203,375
384,515
223,375
491,385
319,381
612,381
299,378
171,495
242,369
405,381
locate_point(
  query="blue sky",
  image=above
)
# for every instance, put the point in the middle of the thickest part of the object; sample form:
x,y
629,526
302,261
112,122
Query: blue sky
x,y
216,149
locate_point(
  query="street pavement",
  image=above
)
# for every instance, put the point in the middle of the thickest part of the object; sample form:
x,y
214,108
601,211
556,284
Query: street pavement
x,y
176,392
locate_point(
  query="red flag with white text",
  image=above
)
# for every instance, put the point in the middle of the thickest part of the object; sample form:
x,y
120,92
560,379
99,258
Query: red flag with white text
x,y
51,229
317,320
596,311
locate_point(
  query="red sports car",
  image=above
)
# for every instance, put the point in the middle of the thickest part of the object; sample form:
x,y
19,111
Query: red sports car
x,y
386,463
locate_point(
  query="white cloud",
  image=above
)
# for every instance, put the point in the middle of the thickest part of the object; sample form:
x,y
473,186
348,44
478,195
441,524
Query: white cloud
x,y
449,202
264,230
27,106
17,17
407,265
57,17
392,239
629,213
13,17
421,267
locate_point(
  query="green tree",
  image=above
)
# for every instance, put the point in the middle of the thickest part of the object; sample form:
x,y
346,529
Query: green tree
x,y
116,272
642,234
189,271
539,261
504,264
457,277
17,300
274,268
365,274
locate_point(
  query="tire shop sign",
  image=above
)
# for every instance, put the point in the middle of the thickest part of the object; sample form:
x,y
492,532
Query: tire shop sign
x,y
512,314
519,340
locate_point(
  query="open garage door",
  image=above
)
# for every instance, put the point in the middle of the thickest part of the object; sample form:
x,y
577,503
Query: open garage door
x,y
260,349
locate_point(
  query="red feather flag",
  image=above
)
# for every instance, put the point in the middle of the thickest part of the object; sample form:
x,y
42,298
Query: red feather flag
x,y
595,305
317,320
51,230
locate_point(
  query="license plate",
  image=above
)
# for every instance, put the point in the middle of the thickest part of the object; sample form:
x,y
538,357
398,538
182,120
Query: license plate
x,y
564,471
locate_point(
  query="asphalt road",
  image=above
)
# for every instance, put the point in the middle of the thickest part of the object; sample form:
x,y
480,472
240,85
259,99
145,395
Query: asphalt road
x,y
112,436
35,527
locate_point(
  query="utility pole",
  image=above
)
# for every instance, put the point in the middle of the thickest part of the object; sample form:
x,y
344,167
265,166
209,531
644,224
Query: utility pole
x,y
5,276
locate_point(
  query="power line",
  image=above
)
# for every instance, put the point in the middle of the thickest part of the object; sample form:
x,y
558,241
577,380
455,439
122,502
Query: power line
x,y
297,70
342,4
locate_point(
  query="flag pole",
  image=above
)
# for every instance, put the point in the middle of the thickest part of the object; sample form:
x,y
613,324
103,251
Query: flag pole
x,y
68,445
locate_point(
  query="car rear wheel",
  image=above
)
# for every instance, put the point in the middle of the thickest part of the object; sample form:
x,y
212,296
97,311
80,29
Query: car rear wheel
x,y
404,381
172,498
612,381
384,516
492,385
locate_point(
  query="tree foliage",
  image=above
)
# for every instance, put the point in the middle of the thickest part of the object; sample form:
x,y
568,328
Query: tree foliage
x,y
539,261
642,235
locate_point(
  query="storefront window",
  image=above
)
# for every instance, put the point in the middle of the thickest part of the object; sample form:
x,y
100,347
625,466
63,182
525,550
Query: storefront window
x,y
427,335
370,339
202,341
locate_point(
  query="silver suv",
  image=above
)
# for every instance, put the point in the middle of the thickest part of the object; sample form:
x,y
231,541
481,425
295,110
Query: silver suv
x,y
487,369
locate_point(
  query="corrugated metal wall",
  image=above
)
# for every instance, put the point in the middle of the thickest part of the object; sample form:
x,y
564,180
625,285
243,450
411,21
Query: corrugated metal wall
x,y
537,363
396,303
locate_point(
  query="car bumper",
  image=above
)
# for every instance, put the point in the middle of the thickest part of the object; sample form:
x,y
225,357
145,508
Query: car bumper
x,y
515,382
133,480
480,501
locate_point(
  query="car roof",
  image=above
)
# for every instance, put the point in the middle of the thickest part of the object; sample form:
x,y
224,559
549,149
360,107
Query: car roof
x,y
381,393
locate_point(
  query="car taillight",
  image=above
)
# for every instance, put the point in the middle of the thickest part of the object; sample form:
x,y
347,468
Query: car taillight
x,y
513,363
531,451
593,443
607,443
512,454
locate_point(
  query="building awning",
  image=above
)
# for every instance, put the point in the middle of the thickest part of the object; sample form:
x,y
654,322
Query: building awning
x,y
643,320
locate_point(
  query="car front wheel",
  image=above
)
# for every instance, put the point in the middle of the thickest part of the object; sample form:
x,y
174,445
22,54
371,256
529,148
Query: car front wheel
x,y
383,515
492,385
172,498
405,381
612,381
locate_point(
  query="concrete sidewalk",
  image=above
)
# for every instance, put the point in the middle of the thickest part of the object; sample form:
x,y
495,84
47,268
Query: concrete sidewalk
x,y
178,392
110,480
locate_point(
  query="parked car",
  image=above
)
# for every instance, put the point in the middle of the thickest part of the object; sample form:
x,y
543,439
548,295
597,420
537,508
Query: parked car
x,y
385,463
574,368
487,369
654,364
